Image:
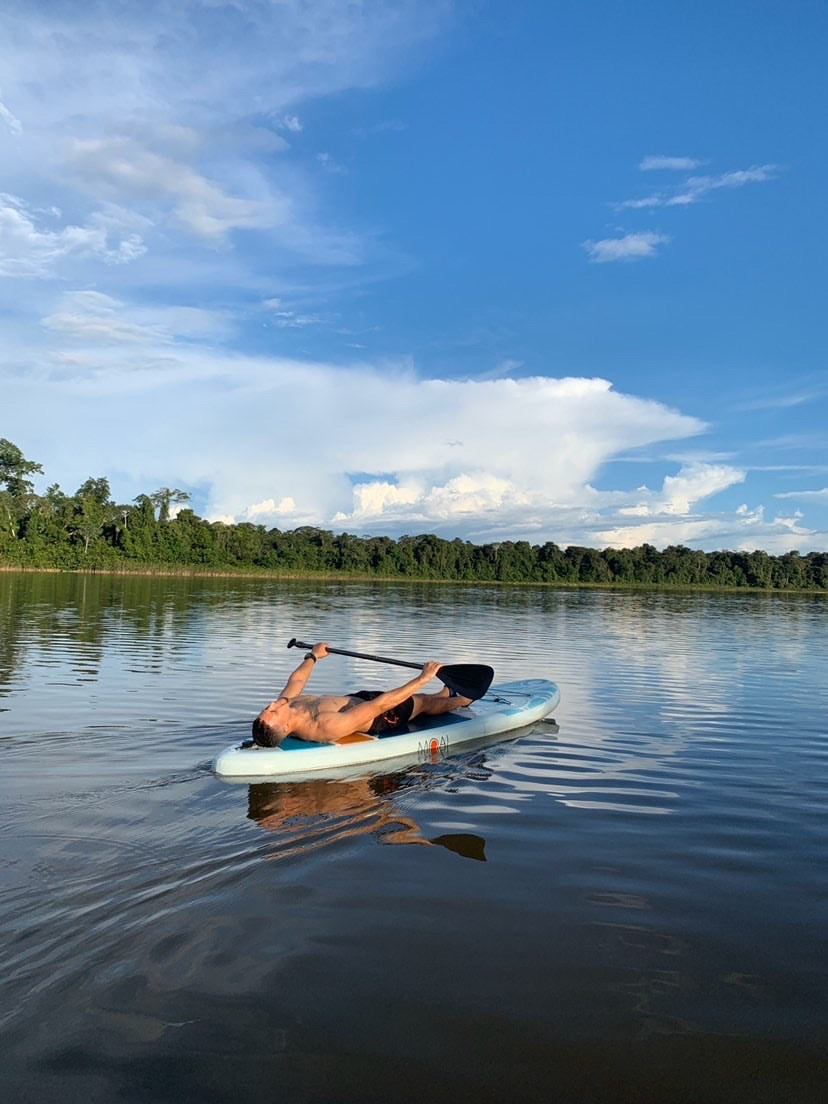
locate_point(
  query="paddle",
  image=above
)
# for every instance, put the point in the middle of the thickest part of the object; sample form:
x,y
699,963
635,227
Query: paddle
x,y
471,680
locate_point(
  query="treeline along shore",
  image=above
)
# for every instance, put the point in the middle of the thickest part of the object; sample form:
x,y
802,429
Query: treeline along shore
x,y
88,531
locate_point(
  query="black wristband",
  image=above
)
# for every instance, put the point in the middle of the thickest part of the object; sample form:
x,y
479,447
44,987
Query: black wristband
x,y
310,655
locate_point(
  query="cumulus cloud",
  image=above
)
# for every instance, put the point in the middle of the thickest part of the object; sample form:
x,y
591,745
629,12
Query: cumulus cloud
x,y
630,247
480,498
743,530
268,508
164,166
530,447
696,482
293,433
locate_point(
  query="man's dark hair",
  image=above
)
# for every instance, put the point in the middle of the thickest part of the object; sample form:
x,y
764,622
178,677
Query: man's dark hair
x,y
263,735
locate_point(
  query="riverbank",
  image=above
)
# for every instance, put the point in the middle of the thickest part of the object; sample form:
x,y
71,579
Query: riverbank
x,y
190,572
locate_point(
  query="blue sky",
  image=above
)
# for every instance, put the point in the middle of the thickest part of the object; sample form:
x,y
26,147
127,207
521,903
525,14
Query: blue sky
x,y
536,270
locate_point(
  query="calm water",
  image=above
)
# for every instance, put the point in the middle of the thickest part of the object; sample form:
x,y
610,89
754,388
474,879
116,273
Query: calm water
x,y
630,908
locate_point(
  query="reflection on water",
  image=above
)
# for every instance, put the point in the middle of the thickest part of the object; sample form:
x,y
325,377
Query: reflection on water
x,y
311,814
641,917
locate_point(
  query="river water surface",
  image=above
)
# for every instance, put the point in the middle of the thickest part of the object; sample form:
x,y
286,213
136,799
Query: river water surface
x,y
628,906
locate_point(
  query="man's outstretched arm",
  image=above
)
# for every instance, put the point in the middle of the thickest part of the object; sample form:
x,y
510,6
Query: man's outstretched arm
x,y
296,683
358,717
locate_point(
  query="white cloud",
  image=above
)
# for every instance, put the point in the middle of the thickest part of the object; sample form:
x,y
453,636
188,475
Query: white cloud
x,y
151,155
506,367
291,431
12,122
808,393
28,247
696,482
172,115
818,495
640,204
268,508
630,247
286,318
465,497
742,530
272,440
203,59
330,165
672,164
91,316
382,499
736,179
385,127
695,188
122,169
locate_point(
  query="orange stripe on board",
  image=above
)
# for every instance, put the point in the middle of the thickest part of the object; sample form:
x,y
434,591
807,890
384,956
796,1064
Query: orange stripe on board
x,y
355,738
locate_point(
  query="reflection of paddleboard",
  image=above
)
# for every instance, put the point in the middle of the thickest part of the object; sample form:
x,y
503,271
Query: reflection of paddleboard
x,y
507,706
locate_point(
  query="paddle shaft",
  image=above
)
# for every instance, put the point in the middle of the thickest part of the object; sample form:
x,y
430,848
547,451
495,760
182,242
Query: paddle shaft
x,y
294,643
471,680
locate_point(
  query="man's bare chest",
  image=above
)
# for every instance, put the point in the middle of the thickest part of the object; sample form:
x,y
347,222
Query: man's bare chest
x,y
313,708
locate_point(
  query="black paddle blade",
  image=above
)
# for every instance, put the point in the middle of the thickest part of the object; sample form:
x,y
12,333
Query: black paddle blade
x,y
471,680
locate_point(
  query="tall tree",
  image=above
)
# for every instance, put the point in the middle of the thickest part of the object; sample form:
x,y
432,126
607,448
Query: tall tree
x,y
15,468
96,489
165,497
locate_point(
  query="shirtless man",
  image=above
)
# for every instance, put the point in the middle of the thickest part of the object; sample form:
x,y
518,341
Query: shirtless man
x,y
327,718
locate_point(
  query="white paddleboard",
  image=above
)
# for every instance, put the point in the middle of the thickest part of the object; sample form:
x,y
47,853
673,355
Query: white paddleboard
x,y
507,706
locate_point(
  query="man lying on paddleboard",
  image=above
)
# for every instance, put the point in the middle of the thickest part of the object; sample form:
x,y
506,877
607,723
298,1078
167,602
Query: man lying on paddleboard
x,y
327,718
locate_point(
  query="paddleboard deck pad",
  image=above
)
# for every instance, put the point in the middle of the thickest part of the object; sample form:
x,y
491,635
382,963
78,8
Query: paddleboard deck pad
x,y
507,706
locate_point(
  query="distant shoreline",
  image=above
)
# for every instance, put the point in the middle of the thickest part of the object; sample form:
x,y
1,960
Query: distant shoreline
x,y
171,572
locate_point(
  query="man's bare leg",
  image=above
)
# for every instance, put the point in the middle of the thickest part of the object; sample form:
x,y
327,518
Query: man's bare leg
x,y
432,705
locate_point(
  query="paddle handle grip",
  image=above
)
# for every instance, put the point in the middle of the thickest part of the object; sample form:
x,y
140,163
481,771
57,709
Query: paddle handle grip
x,y
294,643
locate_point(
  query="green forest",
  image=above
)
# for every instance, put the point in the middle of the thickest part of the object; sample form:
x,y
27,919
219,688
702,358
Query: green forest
x,y
88,531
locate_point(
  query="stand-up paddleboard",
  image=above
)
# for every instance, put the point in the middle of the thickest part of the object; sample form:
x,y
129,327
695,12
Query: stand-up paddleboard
x,y
510,705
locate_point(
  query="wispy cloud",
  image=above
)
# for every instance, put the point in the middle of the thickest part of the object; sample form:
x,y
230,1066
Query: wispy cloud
x,y
10,120
29,247
805,394
820,495
637,244
630,247
330,165
162,122
292,123
694,188
672,164
384,127
121,168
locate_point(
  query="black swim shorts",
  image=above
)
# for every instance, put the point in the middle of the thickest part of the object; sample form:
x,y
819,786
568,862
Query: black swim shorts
x,y
392,719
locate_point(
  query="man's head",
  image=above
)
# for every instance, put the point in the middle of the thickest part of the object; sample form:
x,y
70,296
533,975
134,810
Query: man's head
x,y
269,728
